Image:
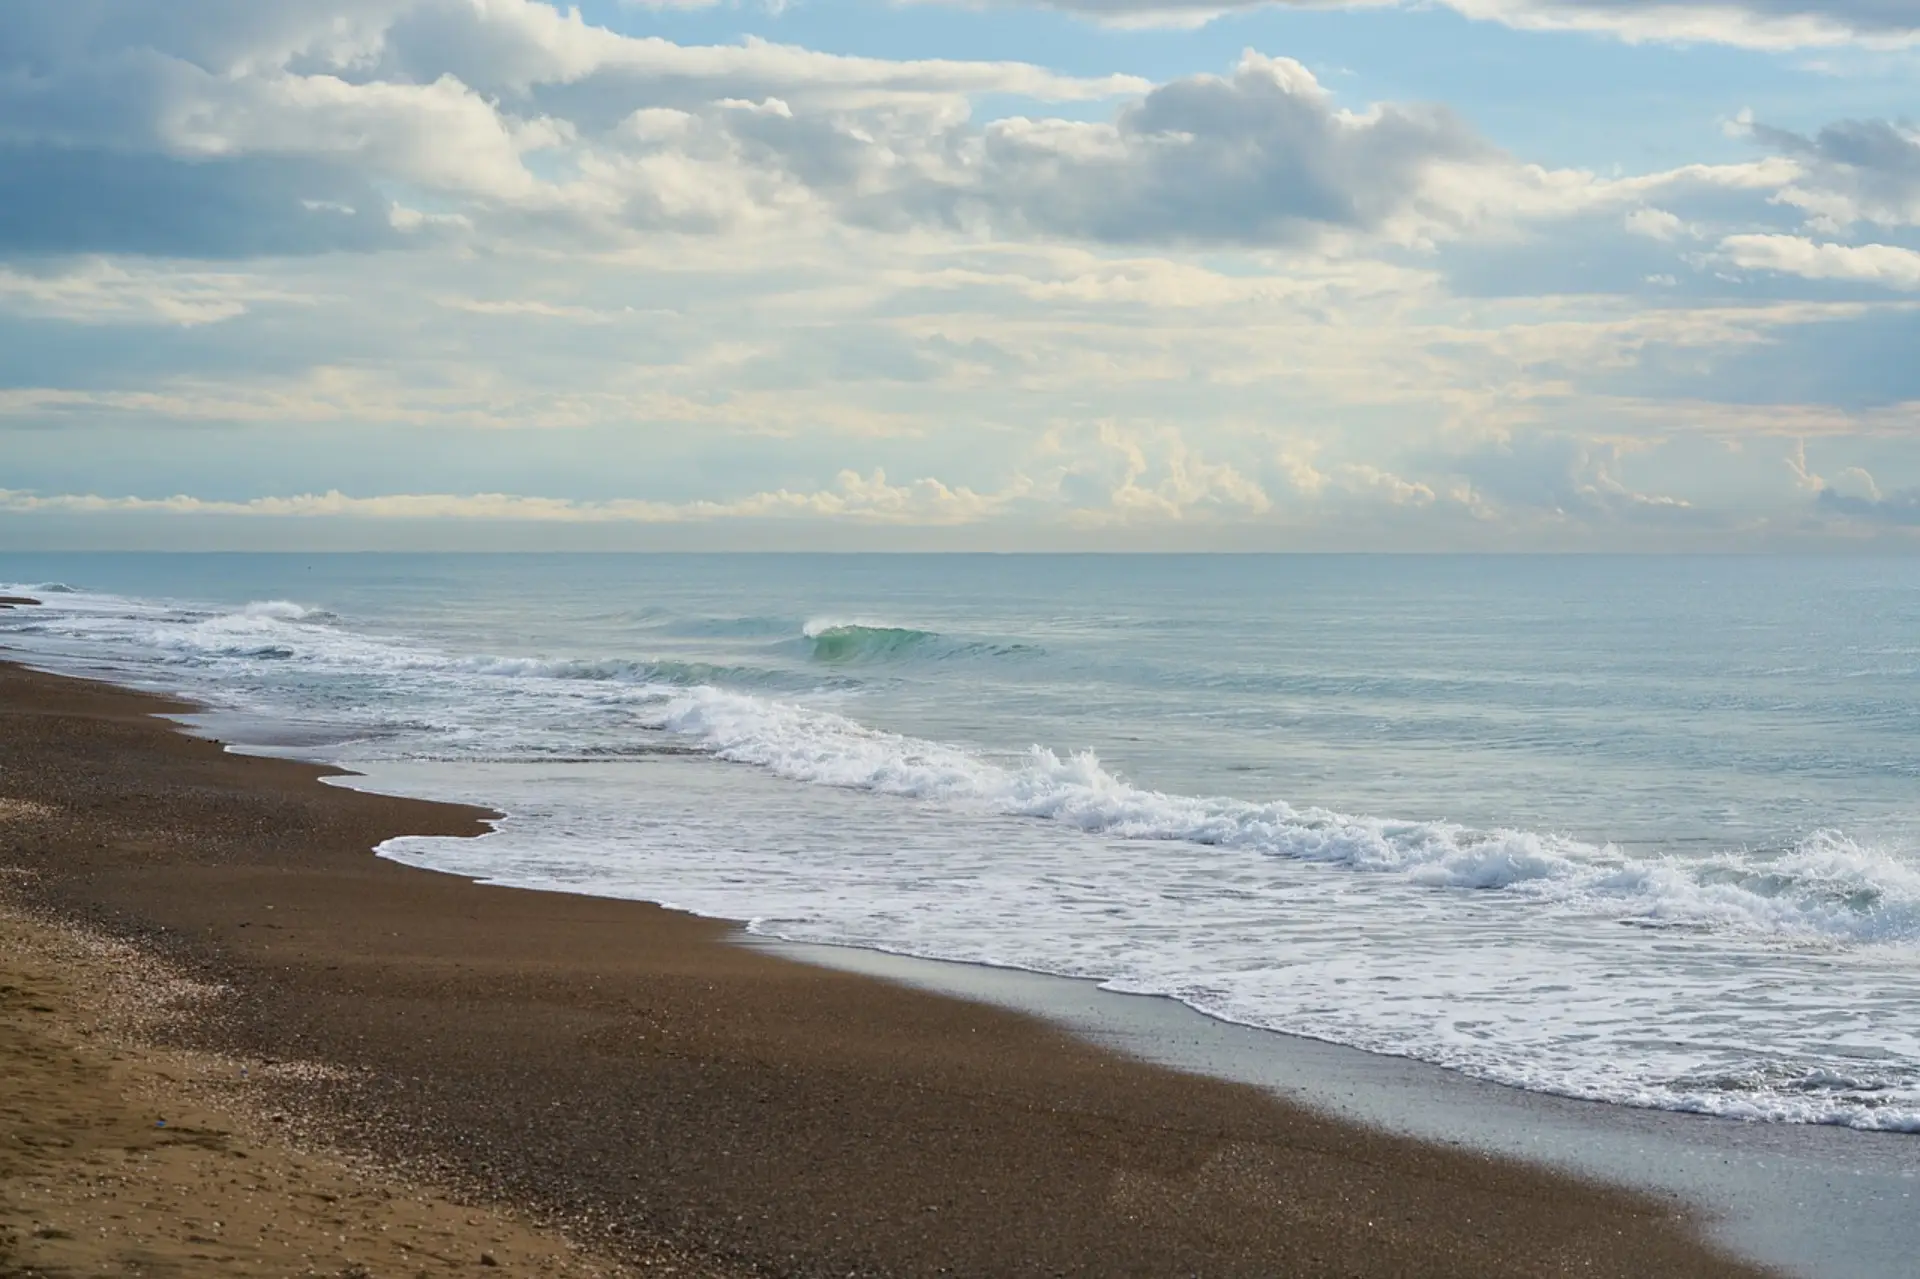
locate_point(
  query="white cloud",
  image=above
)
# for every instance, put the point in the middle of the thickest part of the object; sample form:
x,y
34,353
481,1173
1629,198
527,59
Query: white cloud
x,y
1235,301
867,498
99,291
227,129
1757,24
1262,155
1562,475
1655,224
396,123
1388,487
1154,476
1853,497
1852,171
1883,264
533,307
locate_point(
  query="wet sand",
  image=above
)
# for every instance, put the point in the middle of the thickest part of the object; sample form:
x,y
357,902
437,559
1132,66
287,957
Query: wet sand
x,y
627,1074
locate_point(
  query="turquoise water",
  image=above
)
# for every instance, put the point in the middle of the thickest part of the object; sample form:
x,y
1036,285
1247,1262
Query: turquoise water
x,y
1639,829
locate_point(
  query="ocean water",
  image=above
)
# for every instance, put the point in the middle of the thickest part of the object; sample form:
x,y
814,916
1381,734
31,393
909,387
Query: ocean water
x,y
1640,830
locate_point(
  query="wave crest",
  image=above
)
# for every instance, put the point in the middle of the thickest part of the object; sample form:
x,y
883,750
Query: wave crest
x,y
285,611
846,642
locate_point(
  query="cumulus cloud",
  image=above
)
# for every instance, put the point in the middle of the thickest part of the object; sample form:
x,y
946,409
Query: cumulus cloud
x,y
376,124
230,131
220,128
1224,304
1124,475
1562,475
1370,481
1853,496
1260,156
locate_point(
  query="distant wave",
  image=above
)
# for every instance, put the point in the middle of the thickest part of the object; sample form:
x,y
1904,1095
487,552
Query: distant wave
x,y
835,642
862,641
286,611
282,631
1826,887
37,588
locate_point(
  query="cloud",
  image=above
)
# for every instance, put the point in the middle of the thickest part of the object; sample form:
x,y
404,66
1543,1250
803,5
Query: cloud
x,y
361,125
1561,475
1656,224
1900,508
1761,24
231,129
1129,476
99,291
1220,307
1883,264
1370,481
863,498
1263,156
1853,171
1259,156
1854,496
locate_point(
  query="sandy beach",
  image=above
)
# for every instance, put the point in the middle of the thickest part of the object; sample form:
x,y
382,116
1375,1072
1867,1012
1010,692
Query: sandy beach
x,y
559,1081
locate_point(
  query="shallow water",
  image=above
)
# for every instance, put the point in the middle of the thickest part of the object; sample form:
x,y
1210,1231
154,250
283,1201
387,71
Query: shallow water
x,y
1638,830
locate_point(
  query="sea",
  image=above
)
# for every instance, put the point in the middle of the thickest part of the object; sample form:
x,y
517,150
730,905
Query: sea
x,y
1640,830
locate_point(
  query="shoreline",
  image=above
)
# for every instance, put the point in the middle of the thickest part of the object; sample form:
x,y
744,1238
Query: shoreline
x,y
1820,1200
619,1065
1813,1199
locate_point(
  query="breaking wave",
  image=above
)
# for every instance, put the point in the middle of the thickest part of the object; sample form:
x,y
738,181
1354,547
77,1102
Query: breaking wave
x,y
833,642
286,632
1826,887
862,641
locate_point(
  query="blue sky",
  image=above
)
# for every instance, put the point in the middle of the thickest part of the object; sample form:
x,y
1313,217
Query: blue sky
x,y
1470,274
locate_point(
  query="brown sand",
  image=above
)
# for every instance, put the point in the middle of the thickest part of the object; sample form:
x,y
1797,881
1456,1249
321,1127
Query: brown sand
x,y
117,1158
623,1070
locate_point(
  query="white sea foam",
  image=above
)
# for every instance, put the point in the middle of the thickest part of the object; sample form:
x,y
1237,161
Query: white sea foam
x,y
814,627
282,610
1828,887
1736,1023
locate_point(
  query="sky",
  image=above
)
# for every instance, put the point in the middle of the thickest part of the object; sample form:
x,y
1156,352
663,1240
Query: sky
x,y
1491,275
